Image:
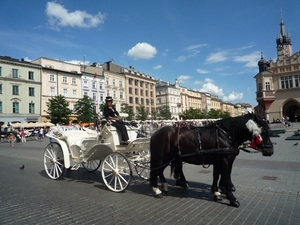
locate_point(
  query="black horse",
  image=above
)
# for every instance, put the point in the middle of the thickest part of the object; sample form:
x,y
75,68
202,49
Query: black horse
x,y
216,144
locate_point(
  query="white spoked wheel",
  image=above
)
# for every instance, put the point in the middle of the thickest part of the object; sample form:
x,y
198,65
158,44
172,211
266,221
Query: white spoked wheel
x,y
54,161
116,172
142,166
91,166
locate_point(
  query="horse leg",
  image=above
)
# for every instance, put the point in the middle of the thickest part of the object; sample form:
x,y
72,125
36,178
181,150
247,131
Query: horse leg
x,y
179,176
214,186
153,183
225,176
164,184
221,183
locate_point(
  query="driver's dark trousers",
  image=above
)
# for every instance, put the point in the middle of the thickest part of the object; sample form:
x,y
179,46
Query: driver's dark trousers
x,y
121,127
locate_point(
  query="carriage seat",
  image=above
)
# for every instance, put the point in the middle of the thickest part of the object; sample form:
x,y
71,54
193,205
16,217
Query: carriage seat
x,y
77,141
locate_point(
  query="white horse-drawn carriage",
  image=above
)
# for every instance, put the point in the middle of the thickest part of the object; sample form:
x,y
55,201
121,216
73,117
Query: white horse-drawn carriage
x,y
73,147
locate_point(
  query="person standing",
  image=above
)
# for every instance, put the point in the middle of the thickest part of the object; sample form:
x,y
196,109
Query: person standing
x,y
112,115
23,138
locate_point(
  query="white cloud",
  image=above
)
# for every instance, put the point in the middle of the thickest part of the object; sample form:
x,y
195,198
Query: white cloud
x,y
59,16
233,97
217,57
165,53
208,80
183,79
198,82
142,51
212,89
201,71
192,51
157,67
251,60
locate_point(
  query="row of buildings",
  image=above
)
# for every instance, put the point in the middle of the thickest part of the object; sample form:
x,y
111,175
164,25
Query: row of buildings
x,y
26,87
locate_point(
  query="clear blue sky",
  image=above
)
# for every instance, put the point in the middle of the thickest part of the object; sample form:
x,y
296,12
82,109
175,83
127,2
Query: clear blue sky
x,y
209,45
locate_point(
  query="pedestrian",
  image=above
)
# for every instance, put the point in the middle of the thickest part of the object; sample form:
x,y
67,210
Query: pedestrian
x,y
23,138
41,134
148,129
11,139
50,135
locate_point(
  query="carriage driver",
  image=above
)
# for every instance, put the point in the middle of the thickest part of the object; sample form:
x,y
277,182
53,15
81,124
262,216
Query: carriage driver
x,y
112,115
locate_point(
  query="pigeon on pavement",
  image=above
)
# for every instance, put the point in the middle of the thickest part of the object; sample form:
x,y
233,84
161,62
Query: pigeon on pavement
x,y
22,167
296,144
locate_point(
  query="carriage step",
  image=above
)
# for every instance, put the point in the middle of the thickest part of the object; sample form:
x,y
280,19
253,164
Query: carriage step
x,y
75,167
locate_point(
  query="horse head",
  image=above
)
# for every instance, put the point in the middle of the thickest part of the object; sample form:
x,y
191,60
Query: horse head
x,y
260,138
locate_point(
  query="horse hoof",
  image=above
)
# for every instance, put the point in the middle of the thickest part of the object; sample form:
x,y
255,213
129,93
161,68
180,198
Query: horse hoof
x,y
165,193
235,203
233,189
223,190
218,198
158,196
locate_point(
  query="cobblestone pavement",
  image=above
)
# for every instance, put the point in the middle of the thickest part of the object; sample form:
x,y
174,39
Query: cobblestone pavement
x,y
267,188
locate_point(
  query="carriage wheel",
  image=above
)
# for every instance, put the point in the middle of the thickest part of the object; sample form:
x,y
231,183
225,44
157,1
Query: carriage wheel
x,y
142,167
91,166
116,172
54,161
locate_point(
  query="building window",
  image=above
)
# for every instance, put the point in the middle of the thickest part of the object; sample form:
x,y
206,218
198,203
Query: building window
x,y
137,100
0,71
259,87
65,92
268,86
297,77
146,85
101,86
101,97
151,94
151,86
52,91
74,81
121,95
94,96
107,93
136,91
1,107
0,88
15,107
107,81
115,95
94,85
14,73
136,82
142,101
130,81
130,100
74,93
146,93
51,77
65,80
291,83
120,84
85,83
147,101
141,83
130,90
30,75
114,82
15,90
31,107
31,91
142,93
85,93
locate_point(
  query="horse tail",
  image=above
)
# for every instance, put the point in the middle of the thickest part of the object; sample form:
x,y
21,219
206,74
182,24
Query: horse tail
x,y
172,168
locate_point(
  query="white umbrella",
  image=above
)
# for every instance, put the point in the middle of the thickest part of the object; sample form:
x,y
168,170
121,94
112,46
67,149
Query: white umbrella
x,y
16,125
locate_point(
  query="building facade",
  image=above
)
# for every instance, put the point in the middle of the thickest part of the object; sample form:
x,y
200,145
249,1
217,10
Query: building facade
x,y
278,82
59,78
20,88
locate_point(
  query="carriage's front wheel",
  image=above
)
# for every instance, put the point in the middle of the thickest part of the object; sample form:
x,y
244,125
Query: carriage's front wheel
x,y
54,160
142,166
116,172
91,166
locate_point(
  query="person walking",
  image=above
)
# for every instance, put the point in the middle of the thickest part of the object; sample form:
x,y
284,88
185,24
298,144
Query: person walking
x,y
23,138
11,139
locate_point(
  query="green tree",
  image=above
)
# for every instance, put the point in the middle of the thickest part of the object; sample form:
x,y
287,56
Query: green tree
x,y
58,110
154,113
85,109
164,112
142,112
125,108
193,114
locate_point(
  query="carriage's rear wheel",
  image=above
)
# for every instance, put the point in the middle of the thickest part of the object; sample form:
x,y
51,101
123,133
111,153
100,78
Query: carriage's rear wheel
x,y
116,172
142,166
54,161
92,166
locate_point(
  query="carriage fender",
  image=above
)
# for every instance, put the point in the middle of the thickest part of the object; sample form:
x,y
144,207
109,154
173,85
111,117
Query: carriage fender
x,y
65,150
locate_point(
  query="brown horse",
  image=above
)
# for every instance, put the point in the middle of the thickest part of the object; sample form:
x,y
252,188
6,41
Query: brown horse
x,y
216,144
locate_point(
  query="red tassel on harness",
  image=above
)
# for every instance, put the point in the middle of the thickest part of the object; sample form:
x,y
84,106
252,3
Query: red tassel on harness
x,y
256,141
